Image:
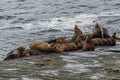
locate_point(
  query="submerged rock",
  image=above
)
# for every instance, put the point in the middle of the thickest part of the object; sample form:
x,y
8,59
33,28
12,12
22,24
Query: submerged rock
x,y
13,54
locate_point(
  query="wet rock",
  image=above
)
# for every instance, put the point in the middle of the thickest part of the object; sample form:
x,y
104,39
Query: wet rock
x,y
30,67
13,54
112,70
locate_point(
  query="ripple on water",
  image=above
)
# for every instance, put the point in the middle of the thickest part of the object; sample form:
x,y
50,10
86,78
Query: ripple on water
x,y
84,54
69,58
50,72
21,0
96,76
26,78
11,69
7,17
76,68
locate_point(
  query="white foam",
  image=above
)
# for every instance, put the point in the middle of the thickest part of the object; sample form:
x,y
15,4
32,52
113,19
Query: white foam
x,y
69,59
76,68
82,20
84,54
57,23
26,78
53,72
68,23
13,69
97,76
63,23
13,79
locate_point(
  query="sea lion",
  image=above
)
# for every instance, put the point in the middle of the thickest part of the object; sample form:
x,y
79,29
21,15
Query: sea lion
x,y
16,53
77,32
33,52
62,46
63,38
79,42
88,44
105,33
42,46
26,53
105,41
97,32
112,39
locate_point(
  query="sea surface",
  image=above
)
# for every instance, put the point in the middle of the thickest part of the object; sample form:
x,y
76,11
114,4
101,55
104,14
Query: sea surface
x,y
24,21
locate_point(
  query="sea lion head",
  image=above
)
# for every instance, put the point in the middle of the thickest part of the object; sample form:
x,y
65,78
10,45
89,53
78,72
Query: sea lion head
x,y
77,31
21,49
113,37
26,53
78,40
105,33
16,53
97,31
88,38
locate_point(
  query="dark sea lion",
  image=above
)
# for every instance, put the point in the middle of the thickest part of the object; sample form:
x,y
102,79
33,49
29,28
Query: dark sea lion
x,y
97,32
105,41
16,53
112,39
105,33
77,32
88,44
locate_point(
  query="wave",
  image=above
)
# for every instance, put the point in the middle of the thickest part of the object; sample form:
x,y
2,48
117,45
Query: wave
x,y
83,20
62,23
11,28
110,14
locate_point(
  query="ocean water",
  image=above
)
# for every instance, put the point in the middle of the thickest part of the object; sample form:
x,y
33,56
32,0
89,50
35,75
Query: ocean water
x,y
23,21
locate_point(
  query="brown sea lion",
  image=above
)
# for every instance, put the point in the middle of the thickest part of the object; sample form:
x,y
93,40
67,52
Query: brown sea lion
x,y
97,32
105,41
88,44
26,53
62,46
77,32
16,53
112,39
105,33
53,40
79,42
66,40
33,52
42,46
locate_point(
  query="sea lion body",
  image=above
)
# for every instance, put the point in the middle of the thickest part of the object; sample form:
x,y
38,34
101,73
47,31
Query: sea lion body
x,y
62,46
88,44
105,41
